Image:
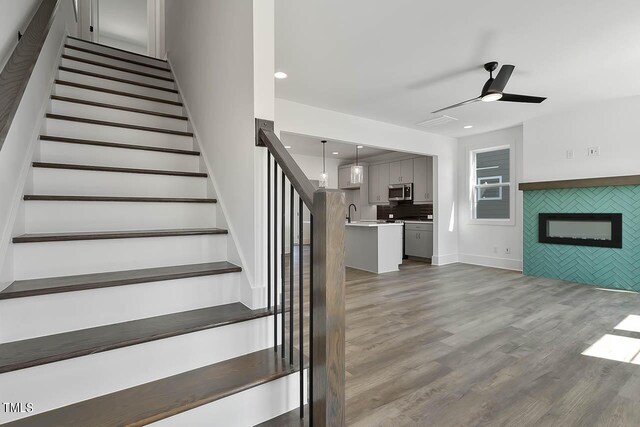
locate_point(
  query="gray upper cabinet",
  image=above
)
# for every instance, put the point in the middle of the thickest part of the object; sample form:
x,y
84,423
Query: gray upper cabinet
x,y
423,179
401,172
344,178
379,183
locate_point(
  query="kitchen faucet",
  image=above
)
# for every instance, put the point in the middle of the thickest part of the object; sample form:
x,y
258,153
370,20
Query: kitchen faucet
x,y
349,212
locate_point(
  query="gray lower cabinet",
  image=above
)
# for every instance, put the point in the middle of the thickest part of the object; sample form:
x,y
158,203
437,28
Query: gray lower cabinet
x,y
418,239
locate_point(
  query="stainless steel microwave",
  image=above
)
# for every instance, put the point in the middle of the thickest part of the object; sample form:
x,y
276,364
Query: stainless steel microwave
x,y
400,192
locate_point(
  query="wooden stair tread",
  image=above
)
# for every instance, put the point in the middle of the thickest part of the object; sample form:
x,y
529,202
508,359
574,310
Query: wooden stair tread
x,y
117,107
115,124
107,235
115,79
114,67
53,198
117,58
116,92
288,419
53,348
117,169
117,145
54,285
169,396
118,49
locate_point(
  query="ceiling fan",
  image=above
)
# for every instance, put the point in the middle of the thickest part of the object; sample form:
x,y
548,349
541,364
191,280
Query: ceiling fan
x,y
493,89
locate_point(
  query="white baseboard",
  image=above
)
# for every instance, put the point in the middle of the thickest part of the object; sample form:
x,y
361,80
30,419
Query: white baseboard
x,y
444,259
504,263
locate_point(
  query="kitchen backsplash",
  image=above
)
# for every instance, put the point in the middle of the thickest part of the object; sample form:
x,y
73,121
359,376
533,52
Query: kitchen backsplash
x,y
404,210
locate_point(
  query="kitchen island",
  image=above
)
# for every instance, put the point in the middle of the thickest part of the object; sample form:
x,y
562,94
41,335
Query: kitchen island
x,y
373,246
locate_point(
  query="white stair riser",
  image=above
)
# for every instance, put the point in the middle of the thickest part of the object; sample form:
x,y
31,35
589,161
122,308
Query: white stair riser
x,y
268,401
119,86
115,52
51,259
94,183
60,152
108,98
98,374
68,311
79,130
70,63
118,116
55,217
117,63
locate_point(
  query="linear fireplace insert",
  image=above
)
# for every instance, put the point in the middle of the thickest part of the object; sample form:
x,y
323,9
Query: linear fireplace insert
x,y
580,229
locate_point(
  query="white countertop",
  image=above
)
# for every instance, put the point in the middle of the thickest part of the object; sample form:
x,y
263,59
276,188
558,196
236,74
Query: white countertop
x,y
372,224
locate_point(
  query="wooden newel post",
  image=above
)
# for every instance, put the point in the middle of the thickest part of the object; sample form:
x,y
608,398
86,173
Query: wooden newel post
x,y
328,397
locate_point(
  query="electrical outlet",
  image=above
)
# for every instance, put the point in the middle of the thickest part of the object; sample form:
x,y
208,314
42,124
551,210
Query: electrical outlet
x,y
569,154
593,151
390,216
507,250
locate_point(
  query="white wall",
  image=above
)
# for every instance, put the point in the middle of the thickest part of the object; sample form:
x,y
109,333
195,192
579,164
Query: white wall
x,y
485,244
123,24
15,17
210,48
308,120
312,167
610,125
17,151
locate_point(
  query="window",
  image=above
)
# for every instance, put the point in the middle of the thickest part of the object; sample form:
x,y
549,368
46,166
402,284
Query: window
x,y
491,172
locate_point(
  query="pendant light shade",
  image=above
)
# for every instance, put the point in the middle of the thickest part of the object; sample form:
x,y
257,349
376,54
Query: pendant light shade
x,y
324,178
357,171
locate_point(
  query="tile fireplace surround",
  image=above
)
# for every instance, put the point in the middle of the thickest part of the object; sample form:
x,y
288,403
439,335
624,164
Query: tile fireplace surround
x,y
604,267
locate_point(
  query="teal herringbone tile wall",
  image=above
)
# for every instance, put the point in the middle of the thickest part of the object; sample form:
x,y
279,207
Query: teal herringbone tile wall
x,y
605,267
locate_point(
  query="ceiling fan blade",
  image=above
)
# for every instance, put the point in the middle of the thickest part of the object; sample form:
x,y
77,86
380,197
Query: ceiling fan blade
x,y
501,80
460,104
510,97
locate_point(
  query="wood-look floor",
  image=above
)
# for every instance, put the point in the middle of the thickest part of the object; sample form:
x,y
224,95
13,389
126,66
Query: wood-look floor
x,y
463,345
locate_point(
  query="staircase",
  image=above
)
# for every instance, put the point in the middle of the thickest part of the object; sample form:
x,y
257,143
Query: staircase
x,y
124,309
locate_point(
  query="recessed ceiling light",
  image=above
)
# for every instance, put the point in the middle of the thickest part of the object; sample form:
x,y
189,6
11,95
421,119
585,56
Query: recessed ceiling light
x,y
287,146
280,75
335,153
360,146
468,126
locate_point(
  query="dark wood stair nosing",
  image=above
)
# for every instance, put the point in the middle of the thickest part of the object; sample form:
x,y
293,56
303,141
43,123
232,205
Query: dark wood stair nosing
x,y
116,68
30,288
169,396
93,168
118,49
115,235
116,58
118,199
115,79
131,341
118,125
63,139
117,107
117,92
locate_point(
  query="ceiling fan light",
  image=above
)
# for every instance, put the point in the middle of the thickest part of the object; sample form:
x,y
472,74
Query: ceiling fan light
x,y
490,97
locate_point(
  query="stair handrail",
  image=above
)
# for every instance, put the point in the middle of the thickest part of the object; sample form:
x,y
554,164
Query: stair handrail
x,y
326,395
17,71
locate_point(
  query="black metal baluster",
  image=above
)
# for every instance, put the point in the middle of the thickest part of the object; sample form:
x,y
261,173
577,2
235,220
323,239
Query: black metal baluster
x,y
282,257
268,230
310,398
275,256
301,301
291,296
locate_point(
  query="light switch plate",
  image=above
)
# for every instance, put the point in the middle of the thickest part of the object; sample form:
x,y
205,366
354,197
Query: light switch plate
x,y
593,151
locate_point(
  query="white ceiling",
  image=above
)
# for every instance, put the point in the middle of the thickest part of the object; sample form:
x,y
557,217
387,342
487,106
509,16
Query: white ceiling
x,y
311,146
124,20
396,61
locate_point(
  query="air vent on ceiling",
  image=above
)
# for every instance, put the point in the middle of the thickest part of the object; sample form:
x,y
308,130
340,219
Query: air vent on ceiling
x,y
437,121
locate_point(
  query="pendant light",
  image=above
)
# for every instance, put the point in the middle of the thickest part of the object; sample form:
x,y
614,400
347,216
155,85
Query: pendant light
x,y
357,171
324,178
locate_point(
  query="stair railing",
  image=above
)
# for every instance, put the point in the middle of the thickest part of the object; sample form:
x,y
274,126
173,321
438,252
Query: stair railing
x,y
326,291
